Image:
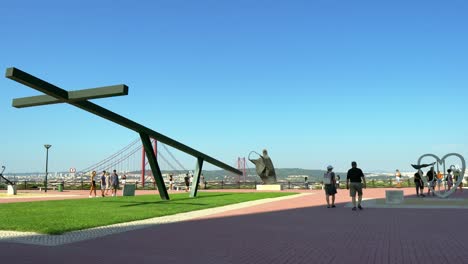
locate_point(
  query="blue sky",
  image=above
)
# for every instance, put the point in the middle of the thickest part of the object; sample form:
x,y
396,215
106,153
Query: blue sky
x,y
314,82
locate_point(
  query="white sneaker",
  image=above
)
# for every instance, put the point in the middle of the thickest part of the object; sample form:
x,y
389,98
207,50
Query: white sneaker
x,y
90,196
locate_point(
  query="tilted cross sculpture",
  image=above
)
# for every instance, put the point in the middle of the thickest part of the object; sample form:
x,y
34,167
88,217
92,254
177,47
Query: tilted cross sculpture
x,y
54,94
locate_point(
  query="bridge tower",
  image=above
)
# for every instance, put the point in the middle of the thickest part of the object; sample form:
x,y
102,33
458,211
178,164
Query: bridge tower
x,y
241,166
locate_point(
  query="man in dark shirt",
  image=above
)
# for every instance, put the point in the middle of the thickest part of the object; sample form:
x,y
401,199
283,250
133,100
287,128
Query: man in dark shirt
x,y
114,182
431,181
419,183
354,184
187,182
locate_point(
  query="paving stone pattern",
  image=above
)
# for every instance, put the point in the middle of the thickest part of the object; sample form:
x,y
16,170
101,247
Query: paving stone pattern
x,y
80,235
297,230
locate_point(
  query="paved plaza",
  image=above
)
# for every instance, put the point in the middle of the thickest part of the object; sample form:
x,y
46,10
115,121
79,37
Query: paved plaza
x,y
297,229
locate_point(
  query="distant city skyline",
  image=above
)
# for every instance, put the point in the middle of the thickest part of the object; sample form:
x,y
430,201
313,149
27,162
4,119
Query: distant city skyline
x,y
314,82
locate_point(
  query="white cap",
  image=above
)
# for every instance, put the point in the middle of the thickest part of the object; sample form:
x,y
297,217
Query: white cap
x,y
329,167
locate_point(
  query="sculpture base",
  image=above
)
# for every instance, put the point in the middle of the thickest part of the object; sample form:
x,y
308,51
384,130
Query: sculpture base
x,y
129,190
394,197
11,190
270,187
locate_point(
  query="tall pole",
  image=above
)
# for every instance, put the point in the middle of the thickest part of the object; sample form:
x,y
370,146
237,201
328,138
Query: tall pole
x,y
243,169
143,166
47,146
238,167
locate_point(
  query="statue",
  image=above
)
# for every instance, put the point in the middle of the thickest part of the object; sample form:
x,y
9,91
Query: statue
x,y
2,177
11,185
264,167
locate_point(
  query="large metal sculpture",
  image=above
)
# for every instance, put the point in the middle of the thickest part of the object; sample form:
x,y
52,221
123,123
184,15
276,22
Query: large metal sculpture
x,y
6,180
11,187
441,161
54,94
264,167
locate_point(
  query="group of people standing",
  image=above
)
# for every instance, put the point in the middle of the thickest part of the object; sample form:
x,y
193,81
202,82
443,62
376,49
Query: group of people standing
x,y
108,182
355,182
435,179
188,179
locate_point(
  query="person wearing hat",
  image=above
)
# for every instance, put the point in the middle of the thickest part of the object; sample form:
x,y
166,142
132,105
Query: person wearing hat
x,y
329,182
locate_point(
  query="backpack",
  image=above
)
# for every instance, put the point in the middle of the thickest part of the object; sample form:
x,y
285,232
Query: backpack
x,y
328,180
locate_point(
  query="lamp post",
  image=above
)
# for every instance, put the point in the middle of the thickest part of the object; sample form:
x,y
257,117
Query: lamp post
x,y
47,146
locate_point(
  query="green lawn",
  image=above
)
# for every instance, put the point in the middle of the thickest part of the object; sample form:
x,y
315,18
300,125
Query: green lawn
x,y
57,217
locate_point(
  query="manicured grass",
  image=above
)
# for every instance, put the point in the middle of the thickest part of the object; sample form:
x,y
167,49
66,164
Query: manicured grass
x,y
57,217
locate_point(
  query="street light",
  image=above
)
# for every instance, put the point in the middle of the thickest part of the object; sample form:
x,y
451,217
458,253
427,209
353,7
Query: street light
x,y
47,146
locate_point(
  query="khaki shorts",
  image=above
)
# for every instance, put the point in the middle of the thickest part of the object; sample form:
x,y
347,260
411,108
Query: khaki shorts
x,y
355,187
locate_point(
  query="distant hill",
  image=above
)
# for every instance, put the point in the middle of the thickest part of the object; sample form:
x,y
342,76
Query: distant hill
x,y
293,174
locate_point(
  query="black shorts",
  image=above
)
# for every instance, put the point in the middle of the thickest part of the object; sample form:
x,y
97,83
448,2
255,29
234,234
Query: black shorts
x,y
419,185
330,189
93,183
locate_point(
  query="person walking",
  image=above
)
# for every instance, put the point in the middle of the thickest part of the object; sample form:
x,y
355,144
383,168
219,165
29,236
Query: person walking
x,y
187,182
449,179
431,181
202,180
108,183
439,180
115,183
103,183
419,183
337,183
355,181
171,182
398,178
456,175
330,186
190,182
93,184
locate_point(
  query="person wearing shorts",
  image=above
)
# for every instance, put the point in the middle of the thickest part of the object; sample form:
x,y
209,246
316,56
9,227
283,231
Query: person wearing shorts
x,y
418,182
398,178
171,182
449,179
456,175
108,185
329,186
187,182
431,181
355,181
93,184
115,183
103,183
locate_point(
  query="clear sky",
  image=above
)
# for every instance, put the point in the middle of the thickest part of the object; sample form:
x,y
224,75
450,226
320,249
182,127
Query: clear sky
x,y
314,82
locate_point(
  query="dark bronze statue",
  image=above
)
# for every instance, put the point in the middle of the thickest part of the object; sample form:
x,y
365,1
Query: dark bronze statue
x,y
2,177
264,167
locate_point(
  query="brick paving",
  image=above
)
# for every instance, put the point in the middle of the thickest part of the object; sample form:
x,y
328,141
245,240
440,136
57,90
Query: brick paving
x,y
298,230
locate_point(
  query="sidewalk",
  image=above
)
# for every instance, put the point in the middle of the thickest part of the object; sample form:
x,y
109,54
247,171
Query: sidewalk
x,y
297,230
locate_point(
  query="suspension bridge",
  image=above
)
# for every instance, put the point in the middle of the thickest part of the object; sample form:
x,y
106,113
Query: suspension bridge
x,y
131,160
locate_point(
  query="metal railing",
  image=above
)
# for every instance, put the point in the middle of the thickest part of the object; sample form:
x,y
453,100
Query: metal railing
x,y
208,185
